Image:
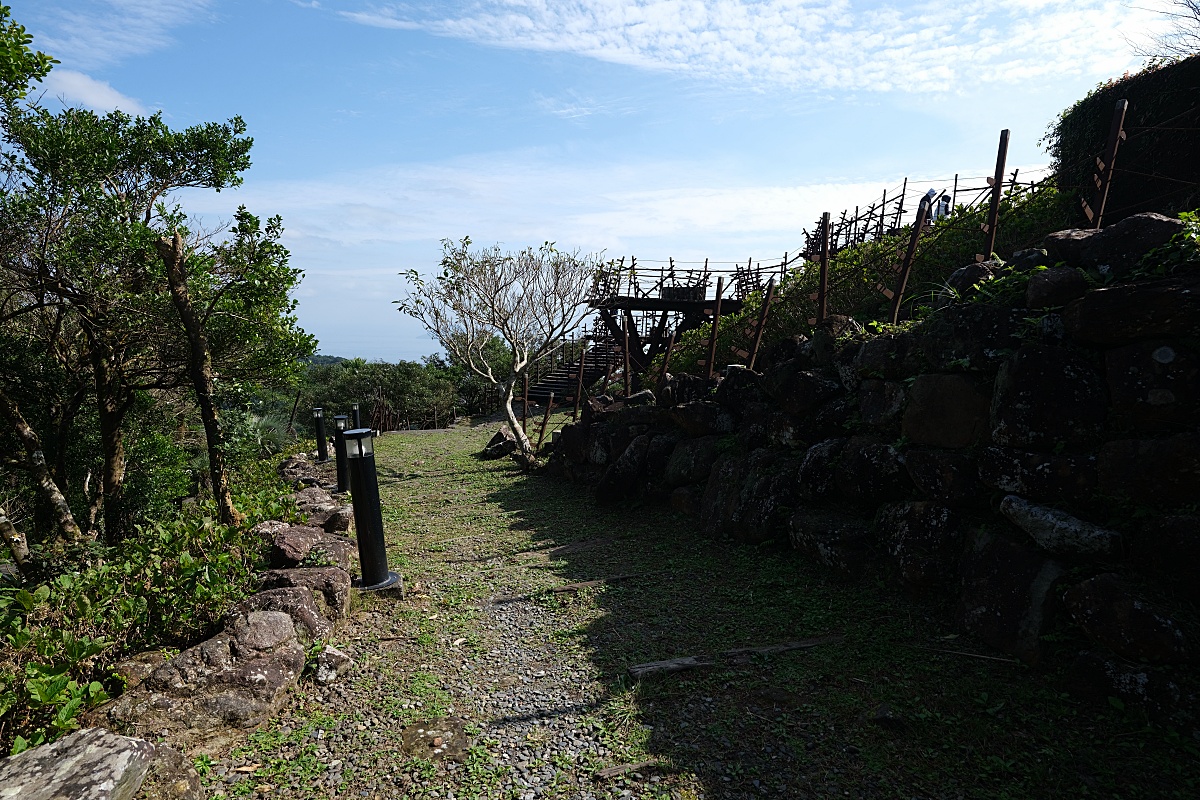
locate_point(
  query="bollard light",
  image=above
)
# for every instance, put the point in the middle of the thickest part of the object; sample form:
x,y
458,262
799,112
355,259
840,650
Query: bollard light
x,y
368,517
322,444
356,414
339,452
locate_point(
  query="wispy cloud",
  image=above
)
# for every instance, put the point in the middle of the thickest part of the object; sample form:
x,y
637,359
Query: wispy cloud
x,y
99,33
75,88
935,45
574,106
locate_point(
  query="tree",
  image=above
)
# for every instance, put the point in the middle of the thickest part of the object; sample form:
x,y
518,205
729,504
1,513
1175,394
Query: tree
x,y
86,283
1182,39
532,300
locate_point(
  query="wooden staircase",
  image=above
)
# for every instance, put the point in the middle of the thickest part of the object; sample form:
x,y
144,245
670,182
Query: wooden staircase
x,y
563,379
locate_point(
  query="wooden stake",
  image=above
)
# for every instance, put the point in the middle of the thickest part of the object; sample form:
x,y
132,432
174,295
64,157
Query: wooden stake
x,y
997,189
762,321
545,421
712,338
902,281
662,378
823,286
1116,135
579,383
628,371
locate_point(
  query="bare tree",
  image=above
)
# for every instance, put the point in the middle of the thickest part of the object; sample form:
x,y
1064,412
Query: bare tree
x,y
531,300
1183,38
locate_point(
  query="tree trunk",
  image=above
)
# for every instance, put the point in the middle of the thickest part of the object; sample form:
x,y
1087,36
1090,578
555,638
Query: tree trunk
x,y
17,545
68,530
200,368
526,448
111,410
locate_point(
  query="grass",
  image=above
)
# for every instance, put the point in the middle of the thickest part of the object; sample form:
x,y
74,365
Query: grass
x,y
879,714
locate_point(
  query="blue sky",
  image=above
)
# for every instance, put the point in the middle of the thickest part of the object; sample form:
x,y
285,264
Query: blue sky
x,y
661,128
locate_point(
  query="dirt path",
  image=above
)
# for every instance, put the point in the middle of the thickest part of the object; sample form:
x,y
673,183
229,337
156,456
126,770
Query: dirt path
x,y
484,682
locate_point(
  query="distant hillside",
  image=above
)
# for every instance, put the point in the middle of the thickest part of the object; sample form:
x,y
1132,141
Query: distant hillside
x,y
325,360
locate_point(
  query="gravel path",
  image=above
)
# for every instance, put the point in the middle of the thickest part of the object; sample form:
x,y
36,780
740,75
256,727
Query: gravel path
x,y
466,687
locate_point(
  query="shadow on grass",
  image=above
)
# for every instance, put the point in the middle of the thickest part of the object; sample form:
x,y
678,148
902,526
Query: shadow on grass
x,y
899,707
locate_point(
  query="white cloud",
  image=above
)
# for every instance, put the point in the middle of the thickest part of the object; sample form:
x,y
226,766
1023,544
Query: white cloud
x,y
830,44
98,33
76,88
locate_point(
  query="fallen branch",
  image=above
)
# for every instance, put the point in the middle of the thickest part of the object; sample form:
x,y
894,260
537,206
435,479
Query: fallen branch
x,y
739,655
971,655
567,588
623,769
575,587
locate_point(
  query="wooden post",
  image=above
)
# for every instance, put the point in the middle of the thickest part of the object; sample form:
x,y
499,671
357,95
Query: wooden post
x,y
900,207
545,422
662,377
762,321
918,224
882,214
954,194
992,224
823,286
525,405
1103,179
628,369
712,338
579,384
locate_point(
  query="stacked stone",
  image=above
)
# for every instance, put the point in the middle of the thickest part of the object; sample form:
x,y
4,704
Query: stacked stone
x,y
210,694
991,452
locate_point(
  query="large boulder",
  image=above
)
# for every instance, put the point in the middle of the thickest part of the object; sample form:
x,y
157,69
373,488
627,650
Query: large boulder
x,y
880,403
1117,249
503,443
1008,594
692,460
1060,533
924,541
768,496
738,389
818,469
971,336
1153,385
1113,617
1167,549
722,492
90,764
1098,676
1057,286
1068,246
871,472
887,357
1037,476
1126,313
237,679
329,586
1165,471
835,540
172,776
949,477
702,418
964,280
1045,397
295,601
625,477
796,390
948,411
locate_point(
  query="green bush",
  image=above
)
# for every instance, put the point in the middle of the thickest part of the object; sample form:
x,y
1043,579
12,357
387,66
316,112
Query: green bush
x,y
169,585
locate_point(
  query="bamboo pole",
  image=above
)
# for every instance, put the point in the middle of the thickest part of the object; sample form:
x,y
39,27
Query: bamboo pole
x,y
762,321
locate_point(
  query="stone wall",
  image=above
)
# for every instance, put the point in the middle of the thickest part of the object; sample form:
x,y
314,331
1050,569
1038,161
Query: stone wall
x,y
1033,462
210,695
